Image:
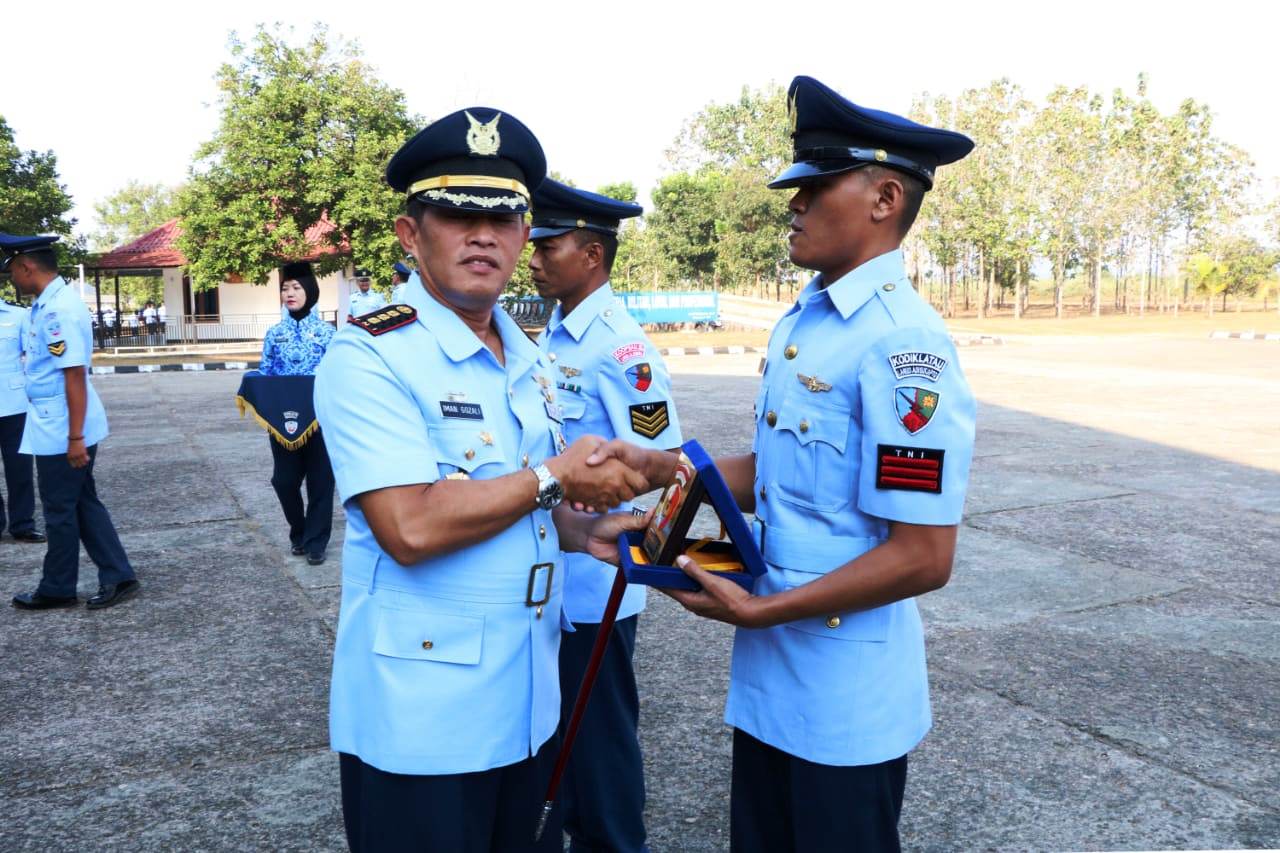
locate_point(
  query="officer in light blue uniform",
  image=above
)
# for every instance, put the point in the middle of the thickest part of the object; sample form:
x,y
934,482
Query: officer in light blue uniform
x,y
364,298
19,473
445,433
64,424
613,383
399,281
864,436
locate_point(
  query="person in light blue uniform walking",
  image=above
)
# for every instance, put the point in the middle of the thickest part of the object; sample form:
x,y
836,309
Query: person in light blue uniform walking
x,y
612,382
19,471
364,298
294,347
445,432
64,425
864,437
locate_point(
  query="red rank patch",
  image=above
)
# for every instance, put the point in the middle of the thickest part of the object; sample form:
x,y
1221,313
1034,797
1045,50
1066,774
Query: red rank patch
x,y
909,469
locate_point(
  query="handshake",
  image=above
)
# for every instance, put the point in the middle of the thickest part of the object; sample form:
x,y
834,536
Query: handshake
x,y
598,475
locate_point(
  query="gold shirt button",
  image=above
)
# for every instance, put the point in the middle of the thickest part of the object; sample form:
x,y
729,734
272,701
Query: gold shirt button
x,y
804,426
538,612
524,460
791,351
833,622
427,644
551,356
542,531
470,454
771,418
888,288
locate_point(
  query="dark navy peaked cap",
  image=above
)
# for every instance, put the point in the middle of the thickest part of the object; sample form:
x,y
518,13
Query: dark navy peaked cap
x,y
478,159
401,270
832,134
13,245
559,209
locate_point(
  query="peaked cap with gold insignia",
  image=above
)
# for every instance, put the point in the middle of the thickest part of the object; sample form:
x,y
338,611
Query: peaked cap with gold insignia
x,y
477,159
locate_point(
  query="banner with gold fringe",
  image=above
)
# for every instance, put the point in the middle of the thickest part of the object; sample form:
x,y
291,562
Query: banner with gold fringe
x,y
282,405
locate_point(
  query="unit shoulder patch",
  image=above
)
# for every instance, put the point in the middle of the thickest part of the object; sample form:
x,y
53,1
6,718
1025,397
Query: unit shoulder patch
x,y
628,352
909,469
925,364
385,319
650,419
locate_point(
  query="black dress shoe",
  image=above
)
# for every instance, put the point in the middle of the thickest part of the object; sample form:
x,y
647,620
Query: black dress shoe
x,y
30,536
39,601
315,559
113,593
297,550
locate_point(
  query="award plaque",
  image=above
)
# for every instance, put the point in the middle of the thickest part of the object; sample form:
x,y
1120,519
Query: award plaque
x,y
649,556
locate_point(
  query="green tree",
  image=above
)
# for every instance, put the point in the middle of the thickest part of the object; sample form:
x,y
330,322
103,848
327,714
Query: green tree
x,y
305,134
132,211
32,200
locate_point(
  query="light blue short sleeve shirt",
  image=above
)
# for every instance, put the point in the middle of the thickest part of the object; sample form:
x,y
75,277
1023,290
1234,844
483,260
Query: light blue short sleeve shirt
x,y
864,417
444,666
13,383
613,383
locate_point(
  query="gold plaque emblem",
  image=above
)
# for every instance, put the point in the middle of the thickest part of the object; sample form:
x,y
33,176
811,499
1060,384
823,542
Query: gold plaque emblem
x,y
482,137
813,383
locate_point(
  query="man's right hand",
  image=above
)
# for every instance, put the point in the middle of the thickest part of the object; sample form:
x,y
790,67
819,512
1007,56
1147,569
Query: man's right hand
x,y
657,466
601,486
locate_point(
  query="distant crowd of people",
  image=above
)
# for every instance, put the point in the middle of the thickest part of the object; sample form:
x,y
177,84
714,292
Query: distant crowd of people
x,y
149,319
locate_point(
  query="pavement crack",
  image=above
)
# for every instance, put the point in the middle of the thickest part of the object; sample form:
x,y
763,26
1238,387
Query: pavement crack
x,y
969,515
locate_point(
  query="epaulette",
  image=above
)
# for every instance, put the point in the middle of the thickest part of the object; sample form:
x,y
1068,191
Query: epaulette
x,y
385,319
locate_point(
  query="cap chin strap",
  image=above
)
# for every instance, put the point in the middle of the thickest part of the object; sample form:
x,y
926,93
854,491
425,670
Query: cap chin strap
x,y
864,155
469,182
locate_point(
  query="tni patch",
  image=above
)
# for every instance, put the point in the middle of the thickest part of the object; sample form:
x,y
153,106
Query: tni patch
x,y
385,319
650,419
58,349
909,469
915,406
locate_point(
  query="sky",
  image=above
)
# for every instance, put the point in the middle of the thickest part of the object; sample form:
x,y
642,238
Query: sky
x,y
125,91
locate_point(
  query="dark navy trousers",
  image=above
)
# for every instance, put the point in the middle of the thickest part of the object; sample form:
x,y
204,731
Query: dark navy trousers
x,y
603,788
779,803
492,811
19,478
73,514
311,527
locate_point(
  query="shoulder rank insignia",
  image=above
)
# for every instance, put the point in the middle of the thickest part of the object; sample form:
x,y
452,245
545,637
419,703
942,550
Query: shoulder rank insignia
x,y
650,419
813,383
58,349
385,319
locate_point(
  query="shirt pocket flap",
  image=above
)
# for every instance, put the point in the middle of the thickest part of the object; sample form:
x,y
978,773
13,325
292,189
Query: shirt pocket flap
x,y
868,626
572,407
466,447
810,421
427,635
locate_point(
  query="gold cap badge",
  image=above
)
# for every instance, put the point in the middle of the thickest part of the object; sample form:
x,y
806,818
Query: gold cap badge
x,y
482,137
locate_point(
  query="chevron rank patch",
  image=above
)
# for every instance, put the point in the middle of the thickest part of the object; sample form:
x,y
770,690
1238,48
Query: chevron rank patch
x,y
650,419
58,349
385,319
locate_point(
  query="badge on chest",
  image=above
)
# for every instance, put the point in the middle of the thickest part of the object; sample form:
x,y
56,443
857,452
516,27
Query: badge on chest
x,y
460,410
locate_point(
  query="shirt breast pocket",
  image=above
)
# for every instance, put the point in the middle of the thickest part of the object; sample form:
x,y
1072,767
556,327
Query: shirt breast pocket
x,y
814,471
429,636
467,449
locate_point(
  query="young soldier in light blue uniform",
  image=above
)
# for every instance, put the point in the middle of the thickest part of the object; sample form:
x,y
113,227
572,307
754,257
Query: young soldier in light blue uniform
x,y
364,298
864,435
19,472
445,433
612,383
65,422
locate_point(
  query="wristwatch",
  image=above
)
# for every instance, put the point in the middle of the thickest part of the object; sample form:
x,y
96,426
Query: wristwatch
x,y
550,492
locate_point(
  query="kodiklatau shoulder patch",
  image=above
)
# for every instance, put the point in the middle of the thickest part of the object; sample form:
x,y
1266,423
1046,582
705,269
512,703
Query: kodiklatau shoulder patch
x,y
385,319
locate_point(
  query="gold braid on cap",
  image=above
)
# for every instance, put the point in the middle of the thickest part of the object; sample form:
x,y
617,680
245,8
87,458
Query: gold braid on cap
x,y
469,182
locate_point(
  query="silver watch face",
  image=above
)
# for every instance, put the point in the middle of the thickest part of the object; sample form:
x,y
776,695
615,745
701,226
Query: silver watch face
x,y
550,493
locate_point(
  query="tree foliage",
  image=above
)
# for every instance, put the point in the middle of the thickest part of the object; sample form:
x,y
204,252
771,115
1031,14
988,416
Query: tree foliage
x,y
305,134
32,199
132,211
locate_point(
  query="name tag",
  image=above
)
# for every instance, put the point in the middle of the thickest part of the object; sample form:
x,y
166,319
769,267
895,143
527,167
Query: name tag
x,y
466,411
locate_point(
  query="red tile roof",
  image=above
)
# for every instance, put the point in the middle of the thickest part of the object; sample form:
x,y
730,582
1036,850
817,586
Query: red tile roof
x,y
156,248
159,248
